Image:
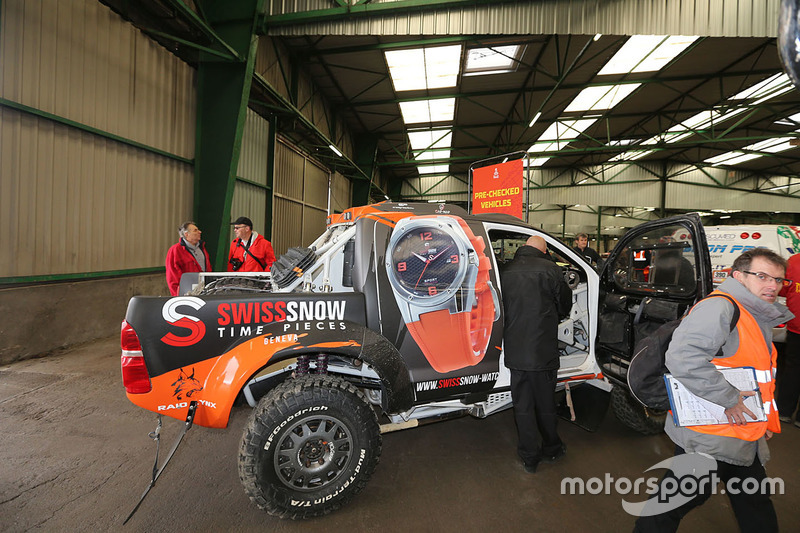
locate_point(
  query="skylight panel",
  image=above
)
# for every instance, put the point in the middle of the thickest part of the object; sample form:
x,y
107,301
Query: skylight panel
x,y
404,68
631,155
494,60
646,53
547,146
433,169
793,120
566,129
536,162
424,68
440,110
779,83
665,52
429,139
631,54
731,158
735,157
429,155
702,120
602,97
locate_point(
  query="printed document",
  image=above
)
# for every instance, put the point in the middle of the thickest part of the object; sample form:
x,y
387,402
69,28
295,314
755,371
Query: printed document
x,y
691,410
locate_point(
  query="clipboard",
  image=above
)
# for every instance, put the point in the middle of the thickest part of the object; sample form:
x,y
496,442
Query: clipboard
x,y
689,409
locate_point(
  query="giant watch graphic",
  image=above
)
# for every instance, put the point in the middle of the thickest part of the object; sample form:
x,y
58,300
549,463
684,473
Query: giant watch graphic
x,y
440,277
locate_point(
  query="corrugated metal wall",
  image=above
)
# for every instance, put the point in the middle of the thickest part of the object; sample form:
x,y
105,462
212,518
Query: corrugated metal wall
x,y
250,200
276,68
76,202
301,198
716,18
341,193
434,188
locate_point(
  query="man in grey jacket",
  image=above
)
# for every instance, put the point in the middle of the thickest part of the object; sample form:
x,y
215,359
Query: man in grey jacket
x,y
701,345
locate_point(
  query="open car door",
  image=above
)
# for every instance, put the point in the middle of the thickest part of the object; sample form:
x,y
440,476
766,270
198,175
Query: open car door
x,y
654,275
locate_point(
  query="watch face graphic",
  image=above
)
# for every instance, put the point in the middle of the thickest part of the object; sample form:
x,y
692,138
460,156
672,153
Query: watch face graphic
x,y
440,279
426,261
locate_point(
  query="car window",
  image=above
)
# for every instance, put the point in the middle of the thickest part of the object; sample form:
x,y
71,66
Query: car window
x,y
506,243
659,260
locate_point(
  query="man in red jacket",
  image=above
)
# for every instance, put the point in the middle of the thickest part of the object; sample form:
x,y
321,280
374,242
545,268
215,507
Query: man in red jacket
x,y
788,378
250,252
187,255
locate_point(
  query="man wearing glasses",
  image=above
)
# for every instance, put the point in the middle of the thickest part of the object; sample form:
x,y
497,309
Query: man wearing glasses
x,y
702,344
250,252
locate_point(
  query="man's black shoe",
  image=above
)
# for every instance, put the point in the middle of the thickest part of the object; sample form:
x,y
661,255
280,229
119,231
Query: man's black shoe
x,y
556,456
530,467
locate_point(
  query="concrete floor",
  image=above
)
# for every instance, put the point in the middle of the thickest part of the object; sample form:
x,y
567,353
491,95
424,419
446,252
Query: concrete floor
x,y
75,456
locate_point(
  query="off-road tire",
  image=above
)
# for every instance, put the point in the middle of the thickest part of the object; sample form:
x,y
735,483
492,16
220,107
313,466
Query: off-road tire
x,y
634,415
310,446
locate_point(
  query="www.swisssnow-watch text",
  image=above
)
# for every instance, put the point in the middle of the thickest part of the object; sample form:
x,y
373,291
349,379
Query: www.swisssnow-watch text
x,y
440,277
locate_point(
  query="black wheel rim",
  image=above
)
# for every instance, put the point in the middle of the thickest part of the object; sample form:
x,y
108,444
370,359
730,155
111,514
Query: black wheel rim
x,y
313,452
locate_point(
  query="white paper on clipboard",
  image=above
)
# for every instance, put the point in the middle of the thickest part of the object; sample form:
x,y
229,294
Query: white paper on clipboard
x,y
691,410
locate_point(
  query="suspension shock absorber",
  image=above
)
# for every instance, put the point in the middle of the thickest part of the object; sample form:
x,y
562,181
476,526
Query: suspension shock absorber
x,y
302,365
322,363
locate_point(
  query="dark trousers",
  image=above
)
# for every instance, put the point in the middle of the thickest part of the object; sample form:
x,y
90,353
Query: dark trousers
x,y
754,512
533,394
788,377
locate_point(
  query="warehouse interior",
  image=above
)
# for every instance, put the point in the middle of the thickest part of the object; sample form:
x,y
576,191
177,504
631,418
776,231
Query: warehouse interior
x,y
120,120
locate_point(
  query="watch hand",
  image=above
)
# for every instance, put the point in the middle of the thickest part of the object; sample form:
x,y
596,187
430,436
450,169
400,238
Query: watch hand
x,y
428,262
418,256
435,257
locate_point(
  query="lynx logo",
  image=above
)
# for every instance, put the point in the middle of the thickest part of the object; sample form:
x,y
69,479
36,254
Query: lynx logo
x,y
186,385
196,328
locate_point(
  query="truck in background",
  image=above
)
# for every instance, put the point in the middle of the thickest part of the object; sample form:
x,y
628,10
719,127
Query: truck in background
x,y
726,243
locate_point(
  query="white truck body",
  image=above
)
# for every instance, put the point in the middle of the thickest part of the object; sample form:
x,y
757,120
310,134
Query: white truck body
x,y
726,243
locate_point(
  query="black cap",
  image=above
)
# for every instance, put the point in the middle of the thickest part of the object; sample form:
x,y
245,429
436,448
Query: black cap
x,y
243,220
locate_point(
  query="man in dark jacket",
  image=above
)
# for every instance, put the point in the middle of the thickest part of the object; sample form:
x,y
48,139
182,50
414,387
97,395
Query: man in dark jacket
x,y
535,297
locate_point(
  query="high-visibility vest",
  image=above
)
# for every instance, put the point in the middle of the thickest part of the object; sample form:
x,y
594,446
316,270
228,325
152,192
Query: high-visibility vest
x,y
752,352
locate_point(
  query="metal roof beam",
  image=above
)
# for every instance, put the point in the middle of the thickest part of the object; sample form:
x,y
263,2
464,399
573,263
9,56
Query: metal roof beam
x,y
386,9
576,86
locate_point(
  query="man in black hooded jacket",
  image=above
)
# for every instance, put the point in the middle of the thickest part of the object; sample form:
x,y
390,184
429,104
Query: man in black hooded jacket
x,y
535,297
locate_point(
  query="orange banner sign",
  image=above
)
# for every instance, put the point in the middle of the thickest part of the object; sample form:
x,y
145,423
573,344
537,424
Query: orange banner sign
x,y
498,189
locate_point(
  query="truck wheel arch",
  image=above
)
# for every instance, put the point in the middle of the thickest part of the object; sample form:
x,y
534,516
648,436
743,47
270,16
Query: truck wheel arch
x,y
376,351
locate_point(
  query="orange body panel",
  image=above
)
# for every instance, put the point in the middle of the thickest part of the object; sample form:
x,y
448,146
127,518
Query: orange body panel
x,y
215,383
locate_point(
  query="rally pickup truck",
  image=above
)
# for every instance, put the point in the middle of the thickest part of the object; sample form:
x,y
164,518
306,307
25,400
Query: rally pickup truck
x,y
390,319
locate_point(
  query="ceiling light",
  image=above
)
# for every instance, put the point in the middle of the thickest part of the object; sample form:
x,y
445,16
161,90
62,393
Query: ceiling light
x,y
535,118
779,187
335,150
597,36
724,216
